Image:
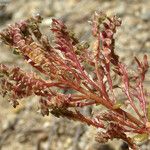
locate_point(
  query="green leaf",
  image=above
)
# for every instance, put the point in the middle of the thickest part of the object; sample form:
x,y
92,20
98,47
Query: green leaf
x,y
15,51
140,137
118,104
148,112
1,75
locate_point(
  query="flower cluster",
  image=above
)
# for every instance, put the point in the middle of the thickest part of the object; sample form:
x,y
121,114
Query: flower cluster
x,y
86,71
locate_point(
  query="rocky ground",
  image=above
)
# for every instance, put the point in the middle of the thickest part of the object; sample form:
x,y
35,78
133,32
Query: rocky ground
x,y
24,128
